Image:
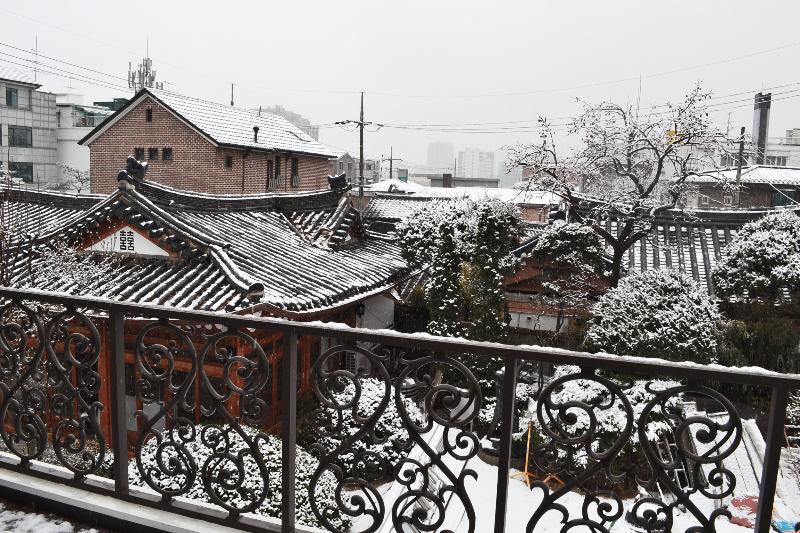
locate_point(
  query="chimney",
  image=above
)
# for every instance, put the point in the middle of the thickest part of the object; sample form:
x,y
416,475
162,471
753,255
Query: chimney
x,y
447,181
255,134
761,125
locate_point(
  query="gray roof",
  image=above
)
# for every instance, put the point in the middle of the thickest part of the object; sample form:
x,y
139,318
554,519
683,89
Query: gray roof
x,y
754,174
282,254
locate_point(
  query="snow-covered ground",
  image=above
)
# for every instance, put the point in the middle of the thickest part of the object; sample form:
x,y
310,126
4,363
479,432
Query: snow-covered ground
x,y
18,520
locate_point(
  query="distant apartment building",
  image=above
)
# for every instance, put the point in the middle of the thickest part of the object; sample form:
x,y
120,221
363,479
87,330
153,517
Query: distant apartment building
x,y
473,163
295,118
206,147
348,165
440,156
27,130
74,120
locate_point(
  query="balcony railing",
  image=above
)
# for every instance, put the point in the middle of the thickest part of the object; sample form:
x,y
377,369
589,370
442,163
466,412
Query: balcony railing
x,y
271,425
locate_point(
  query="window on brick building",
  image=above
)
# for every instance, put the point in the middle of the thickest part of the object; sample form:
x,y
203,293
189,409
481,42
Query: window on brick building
x,y
270,173
295,172
228,161
166,154
152,153
148,115
138,153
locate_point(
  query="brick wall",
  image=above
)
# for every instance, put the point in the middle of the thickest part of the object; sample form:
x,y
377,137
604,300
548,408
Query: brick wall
x,y
196,164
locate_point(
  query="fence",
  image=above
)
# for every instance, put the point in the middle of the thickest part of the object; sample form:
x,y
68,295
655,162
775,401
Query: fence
x,y
201,414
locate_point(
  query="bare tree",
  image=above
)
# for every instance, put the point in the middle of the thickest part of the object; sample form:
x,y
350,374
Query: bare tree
x,y
74,179
629,167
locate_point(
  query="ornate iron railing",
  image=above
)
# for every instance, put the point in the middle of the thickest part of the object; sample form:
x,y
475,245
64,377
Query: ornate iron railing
x,y
159,406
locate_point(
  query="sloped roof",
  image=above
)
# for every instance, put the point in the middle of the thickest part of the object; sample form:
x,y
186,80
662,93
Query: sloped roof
x,y
227,125
255,253
754,174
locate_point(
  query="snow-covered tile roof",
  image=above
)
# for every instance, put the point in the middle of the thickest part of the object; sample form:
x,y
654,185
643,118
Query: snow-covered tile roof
x,y
293,253
754,174
233,126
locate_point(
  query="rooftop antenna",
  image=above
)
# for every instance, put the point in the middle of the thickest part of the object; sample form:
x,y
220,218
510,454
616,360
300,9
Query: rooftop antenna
x,y
36,56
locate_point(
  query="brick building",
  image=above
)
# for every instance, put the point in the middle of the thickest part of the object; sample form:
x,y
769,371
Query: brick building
x,y
207,147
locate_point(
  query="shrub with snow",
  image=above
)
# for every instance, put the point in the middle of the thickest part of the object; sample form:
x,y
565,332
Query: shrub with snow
x,y
202,448
763,258
656,313
389,431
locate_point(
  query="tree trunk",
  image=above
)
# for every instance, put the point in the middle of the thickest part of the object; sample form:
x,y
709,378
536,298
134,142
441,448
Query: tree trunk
x,y
616,265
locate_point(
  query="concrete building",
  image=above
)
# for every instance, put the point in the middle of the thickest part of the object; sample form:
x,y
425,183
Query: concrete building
x,y
27,130
759,187
440,156
348,165
474,163
74,121
206,147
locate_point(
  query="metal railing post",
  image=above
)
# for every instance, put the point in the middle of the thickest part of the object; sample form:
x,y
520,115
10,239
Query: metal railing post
x,y
772,458
506,427
289,432
119,425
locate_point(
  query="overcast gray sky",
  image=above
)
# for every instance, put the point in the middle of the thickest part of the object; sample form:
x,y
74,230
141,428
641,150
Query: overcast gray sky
x,y
427,62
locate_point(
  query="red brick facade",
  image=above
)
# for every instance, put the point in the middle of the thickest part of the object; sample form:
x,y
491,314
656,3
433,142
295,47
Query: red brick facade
x,y
196,164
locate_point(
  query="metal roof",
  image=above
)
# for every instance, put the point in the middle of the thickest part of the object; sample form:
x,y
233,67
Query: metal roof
x,y
17,76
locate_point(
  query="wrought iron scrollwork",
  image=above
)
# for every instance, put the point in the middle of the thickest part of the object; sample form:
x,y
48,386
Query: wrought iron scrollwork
x,y
233,474
427,483
49,373
575,449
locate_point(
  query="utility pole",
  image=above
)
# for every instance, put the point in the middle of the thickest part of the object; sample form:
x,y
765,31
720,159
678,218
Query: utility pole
x,y
361,150
231,95
739,167
391,159
361,124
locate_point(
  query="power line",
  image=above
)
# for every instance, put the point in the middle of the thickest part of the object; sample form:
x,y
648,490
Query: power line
x,y
67,76
65,62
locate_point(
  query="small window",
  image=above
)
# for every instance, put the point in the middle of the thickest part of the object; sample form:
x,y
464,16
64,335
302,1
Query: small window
x,y
166,154
152,154
270,173
295,172
20,136
703,199
12,97
148,115
278,167
138,153
341,167
228,161
21,171
727,199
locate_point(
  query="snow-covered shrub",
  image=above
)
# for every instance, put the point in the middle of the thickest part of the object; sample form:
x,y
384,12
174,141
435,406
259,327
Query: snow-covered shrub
x,y
271,449
574,245
656,313
763,258
609,412
389,431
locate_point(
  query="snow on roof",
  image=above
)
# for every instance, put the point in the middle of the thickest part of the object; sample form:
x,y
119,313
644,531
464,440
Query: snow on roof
x,y
395,185
754,174
229,126
286,255
12,74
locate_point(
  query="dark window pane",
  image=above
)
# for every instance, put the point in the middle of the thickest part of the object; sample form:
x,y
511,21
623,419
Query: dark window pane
x,y
166,154
149,115
20,136
138,153
228,161
152,153
21,171
12,98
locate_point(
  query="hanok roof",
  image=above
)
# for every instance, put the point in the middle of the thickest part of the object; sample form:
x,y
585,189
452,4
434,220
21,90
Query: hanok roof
x,y
691,244
755,174
226,125
280,254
